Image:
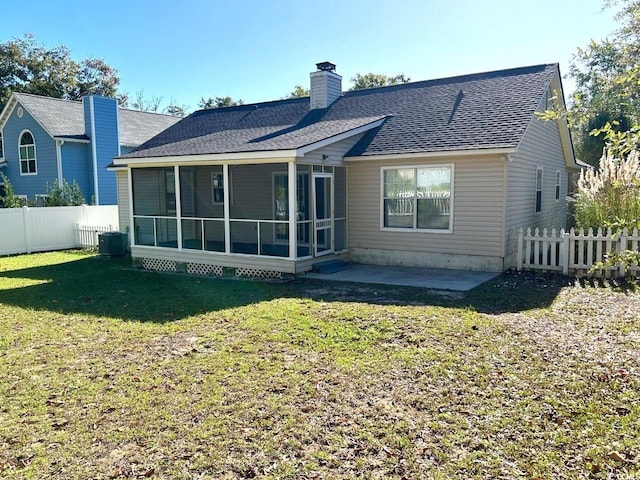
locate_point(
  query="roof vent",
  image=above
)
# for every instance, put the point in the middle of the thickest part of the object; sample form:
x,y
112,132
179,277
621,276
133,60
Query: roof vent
x,y
326,85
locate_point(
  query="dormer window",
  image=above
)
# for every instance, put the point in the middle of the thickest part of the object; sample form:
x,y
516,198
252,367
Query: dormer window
x,y
27,149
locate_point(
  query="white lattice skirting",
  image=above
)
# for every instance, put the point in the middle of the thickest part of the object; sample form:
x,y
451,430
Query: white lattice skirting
x,y
159,265
204,269
257,273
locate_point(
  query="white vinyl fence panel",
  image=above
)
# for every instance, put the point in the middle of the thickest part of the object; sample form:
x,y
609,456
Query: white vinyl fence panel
x,y
38,229
575,252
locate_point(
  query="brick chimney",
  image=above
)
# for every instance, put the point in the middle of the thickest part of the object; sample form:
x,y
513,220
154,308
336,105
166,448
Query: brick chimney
x,y
326,85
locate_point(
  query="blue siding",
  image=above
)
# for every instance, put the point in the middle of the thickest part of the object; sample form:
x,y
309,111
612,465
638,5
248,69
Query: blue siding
x,y
77,165
104,138
46,160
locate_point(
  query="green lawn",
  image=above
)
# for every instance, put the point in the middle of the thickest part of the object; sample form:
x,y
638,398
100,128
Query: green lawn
x,y
110,372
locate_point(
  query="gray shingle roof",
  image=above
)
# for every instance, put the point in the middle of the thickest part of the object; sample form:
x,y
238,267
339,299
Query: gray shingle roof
x,y
480,111
64,118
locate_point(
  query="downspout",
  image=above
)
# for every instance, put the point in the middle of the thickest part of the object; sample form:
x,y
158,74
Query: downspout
x,y
94,152
59,144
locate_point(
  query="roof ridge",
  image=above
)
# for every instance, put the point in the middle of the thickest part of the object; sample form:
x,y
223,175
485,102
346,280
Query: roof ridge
x,y
454,78
147,112
79,102
68,100
254,104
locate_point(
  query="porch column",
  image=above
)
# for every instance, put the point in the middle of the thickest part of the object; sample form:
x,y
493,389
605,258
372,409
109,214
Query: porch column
x,y
132,228
176,179
227,223
293,214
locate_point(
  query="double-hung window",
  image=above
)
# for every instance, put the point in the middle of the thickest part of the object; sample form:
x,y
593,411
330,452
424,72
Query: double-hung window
x,y
417,198
27,148
557,187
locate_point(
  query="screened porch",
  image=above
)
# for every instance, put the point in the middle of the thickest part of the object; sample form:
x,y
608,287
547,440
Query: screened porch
x,y
241,210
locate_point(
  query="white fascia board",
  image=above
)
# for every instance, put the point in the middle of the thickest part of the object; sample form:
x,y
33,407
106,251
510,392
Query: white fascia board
x,y
447,153
341,136
240,157
7,110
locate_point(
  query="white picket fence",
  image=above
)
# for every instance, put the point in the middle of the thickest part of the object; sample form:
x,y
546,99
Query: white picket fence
x,y
88,235
38,229
574,252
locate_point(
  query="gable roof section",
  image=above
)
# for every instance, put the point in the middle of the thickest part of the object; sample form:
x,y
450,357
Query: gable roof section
x,y
472,112
65,119
276,126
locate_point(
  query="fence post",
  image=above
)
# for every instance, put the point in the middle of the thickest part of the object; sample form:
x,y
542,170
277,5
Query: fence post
x,y
622,246
564,252
25,219
519,249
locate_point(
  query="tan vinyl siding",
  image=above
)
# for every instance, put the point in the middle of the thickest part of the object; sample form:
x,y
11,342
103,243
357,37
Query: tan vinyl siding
x,y
335,151
477,209
122,180
540,147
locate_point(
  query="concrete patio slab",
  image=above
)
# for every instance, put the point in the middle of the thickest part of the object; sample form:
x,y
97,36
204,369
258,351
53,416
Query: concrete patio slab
x,y
433,278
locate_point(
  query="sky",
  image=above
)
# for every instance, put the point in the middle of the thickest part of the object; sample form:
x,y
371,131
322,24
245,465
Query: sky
x,y
259,50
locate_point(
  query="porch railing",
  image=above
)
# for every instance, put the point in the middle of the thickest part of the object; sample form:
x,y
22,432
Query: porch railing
x,y
247,236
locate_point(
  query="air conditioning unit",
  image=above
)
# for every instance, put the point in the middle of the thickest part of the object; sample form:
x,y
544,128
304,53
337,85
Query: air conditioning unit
x,y
112,244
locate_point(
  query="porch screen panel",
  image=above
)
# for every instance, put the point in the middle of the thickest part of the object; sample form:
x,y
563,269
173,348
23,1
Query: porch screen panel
x,y
259,209
303,206
251,191
154,207
153,193
202,199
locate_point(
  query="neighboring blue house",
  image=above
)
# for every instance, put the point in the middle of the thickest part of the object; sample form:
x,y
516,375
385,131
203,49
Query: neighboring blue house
x,y
44,140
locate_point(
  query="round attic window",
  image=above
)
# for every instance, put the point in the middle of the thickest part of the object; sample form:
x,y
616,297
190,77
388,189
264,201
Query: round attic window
x,y
20,112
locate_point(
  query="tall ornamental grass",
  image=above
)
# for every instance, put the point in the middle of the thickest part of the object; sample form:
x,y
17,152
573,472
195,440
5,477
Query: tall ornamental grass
x,y
610,197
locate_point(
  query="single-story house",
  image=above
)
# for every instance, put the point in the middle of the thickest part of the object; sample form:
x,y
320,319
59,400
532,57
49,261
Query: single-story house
x,y
44,140
427,174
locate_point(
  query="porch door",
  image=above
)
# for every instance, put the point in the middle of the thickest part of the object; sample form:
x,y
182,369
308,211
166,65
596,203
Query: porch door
x,y
323,213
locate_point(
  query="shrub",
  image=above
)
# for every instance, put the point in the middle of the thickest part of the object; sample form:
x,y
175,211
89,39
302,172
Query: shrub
x,y
64,195
610,197
9,199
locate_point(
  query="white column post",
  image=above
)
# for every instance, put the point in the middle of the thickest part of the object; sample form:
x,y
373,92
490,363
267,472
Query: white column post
x,y
176,180
227,209
293,213
132,229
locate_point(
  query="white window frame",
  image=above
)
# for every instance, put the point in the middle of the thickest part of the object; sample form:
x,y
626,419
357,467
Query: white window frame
x,y
414,229
538,188
213,187
35,153
557,191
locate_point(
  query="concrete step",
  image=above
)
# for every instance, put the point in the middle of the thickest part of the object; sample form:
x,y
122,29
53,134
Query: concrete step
x,y
330,266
